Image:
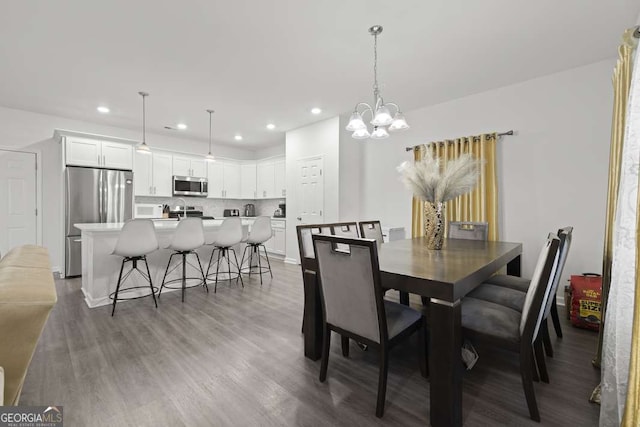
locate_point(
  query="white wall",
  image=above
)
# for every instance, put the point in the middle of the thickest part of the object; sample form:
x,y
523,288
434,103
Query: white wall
x,y
351,151
319,139
552,173
33,132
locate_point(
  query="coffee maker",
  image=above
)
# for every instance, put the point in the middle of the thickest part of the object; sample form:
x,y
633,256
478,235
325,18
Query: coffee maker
x,y
249,209
281,212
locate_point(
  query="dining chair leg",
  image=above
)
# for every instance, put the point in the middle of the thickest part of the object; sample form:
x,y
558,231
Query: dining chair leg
x,y
344,341
326,344
425,301
382,381
527,384
540,360
423,346
534,368
204,278
153,292
556,318
546,338
115,296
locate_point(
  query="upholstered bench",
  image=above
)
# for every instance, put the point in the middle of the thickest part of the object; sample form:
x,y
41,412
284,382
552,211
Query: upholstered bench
x,y
27,295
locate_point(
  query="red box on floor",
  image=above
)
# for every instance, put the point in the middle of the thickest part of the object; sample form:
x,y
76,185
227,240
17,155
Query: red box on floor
x,y
586,301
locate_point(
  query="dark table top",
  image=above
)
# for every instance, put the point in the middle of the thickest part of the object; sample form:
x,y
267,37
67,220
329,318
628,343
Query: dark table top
x,y
449,273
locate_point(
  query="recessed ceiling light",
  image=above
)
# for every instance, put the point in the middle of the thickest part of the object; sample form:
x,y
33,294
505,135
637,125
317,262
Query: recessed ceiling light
x,y
316,110
238,137
271,126
102,109
181,126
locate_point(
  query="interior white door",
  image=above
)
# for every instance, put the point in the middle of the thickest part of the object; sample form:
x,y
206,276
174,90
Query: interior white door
x,y
18,198
162,175
310,191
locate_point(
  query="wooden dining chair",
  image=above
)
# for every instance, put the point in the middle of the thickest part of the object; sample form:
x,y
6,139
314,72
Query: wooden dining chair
x,y
371,230
354,275
510,329
510,291
468,230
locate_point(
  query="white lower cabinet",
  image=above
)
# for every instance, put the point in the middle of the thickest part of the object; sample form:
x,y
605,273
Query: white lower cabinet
x,y
276,245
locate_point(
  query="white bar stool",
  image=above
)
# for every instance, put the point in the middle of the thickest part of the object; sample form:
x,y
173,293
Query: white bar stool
x,y
188,237
260,232
229,235
136,240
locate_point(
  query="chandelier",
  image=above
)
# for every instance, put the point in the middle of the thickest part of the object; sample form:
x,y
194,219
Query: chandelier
x,y
381,118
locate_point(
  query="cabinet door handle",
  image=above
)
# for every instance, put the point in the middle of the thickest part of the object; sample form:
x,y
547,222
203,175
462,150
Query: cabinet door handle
x,y
155,190
104,160
98,159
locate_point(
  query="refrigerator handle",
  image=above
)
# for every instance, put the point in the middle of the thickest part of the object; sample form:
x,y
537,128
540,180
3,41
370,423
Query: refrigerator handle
x,y
101,197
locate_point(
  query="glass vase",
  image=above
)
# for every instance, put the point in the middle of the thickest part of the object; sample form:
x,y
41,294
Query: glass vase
x,y
434,225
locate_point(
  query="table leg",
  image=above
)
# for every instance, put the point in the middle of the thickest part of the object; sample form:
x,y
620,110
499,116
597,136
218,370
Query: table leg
x,y
404,297
312,316
513,267
445,363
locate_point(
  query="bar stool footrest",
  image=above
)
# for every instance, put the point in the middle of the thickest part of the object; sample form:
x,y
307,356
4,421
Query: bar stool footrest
x,y
124,290
187,285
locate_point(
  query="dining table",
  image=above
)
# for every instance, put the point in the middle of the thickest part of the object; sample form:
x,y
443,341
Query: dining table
x,y
443,277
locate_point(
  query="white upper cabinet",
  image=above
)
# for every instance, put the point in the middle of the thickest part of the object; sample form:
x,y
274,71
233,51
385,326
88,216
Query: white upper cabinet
x,y
215,175
265,180
83,152
199,168
280,179
231,180
96,153
152,174
189,166
248,181
117,155
143,175
162,174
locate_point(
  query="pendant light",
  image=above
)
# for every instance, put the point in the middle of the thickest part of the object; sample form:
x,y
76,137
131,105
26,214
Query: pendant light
x,y
143,148
382,119
210,157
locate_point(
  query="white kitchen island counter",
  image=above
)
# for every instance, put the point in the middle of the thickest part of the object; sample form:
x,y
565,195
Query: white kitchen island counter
x,y
100,268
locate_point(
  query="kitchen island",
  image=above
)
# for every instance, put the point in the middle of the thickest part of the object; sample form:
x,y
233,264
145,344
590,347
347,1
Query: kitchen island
x,y
100,268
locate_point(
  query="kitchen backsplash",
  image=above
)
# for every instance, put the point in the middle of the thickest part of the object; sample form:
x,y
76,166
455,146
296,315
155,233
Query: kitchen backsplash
x,y
215,207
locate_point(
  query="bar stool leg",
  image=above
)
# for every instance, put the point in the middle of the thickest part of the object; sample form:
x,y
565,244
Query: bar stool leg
x,y
250,260
244,252
204,278
184,274
235,256
226,252
115,297
257,249
266,255
153,293
165,274
215,289
211,260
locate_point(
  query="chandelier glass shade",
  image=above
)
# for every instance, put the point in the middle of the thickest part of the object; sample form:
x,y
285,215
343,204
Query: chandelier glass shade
x,y
143,148
381,117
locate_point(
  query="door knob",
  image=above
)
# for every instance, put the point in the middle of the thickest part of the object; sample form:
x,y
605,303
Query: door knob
x,y
299,218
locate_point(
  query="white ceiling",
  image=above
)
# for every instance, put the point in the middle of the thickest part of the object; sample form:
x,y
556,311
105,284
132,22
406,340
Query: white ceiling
x,y
263,61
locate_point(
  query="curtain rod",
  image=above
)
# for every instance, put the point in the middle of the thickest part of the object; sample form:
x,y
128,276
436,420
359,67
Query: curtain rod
x,y
509,132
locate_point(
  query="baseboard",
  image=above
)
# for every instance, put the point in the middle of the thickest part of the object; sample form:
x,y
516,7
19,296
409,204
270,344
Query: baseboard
x,y
291,261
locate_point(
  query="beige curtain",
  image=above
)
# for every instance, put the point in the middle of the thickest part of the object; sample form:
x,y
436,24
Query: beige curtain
x,y
480,205
621,85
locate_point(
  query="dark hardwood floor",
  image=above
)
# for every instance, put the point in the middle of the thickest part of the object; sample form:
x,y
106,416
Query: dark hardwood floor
x,y
235,358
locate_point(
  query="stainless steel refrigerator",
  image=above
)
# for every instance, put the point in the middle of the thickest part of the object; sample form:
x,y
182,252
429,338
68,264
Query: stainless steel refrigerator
x,y
93,196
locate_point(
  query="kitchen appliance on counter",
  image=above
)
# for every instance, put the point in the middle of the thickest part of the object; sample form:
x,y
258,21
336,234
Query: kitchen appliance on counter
x,y
147,210
231,212
190,186
249,209
190,211
281,212
93,196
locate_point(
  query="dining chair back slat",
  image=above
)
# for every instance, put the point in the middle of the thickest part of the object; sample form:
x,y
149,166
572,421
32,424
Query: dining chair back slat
x,y
468,230
371,230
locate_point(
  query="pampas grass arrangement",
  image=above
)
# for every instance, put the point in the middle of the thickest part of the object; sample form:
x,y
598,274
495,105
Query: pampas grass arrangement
x,y
431,183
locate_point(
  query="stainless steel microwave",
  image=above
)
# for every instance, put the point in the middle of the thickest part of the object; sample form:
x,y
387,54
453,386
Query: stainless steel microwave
x,y
190,186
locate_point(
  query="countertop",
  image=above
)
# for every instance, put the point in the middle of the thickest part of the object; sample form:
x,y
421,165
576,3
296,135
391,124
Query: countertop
x,y
162,224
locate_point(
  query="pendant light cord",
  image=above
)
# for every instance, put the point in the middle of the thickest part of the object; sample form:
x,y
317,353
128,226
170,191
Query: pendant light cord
x,y
144,120
375,66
